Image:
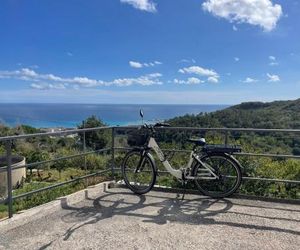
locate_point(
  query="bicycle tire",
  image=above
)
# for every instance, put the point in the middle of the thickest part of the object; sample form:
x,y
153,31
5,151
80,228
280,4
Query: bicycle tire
x,y
147,175
233,177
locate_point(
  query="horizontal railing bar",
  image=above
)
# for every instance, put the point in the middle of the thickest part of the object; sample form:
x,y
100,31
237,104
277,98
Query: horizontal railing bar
x,y
123,148
65,132
218,129
240,154
67,157
59,184
271,180
29,165
244,178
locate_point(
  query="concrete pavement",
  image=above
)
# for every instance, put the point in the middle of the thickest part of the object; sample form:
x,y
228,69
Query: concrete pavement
x,y
117,219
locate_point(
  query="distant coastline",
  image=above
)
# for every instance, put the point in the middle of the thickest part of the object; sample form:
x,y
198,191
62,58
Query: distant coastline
x,y
55,116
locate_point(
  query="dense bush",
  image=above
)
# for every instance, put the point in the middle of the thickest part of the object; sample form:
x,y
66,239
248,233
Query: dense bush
x,y
95,140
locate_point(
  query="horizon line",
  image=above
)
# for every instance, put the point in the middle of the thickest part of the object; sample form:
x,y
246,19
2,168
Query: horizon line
x,y
74,103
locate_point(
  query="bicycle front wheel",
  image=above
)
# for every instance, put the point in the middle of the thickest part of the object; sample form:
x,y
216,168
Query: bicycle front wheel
x,y
139,171
226,169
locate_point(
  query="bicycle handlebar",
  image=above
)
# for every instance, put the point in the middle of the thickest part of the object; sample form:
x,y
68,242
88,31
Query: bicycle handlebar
x,y
156,125
162,124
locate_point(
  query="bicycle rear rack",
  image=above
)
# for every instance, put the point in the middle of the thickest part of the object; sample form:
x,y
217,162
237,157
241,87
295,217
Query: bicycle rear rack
x,y
222,148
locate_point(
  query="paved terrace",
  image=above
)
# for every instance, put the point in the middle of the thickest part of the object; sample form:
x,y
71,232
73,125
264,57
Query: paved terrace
x,y
114,218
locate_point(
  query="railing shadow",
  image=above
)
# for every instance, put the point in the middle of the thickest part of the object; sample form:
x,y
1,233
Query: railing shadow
x,y
199,211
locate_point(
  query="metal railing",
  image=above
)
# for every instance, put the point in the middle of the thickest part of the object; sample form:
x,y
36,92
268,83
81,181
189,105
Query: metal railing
x,y
226,132
8,140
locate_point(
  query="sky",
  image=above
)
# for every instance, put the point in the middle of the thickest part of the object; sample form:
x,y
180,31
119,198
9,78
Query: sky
x,y
149,51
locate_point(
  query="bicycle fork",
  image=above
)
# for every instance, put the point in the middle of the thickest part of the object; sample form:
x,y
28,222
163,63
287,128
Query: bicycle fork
x,y
141,163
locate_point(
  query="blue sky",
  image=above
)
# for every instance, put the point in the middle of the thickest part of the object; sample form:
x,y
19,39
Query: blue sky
x,y
149,51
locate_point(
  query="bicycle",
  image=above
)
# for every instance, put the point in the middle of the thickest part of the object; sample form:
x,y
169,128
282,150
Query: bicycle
x,y
213,168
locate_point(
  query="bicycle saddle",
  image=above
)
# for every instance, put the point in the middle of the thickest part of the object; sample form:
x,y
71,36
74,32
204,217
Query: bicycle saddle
x,y
198,141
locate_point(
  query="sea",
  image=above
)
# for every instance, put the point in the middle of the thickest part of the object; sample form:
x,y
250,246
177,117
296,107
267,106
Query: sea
x,y
71,115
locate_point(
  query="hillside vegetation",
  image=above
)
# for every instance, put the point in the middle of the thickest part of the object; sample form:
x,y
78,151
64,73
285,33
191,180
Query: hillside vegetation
x,y
278,114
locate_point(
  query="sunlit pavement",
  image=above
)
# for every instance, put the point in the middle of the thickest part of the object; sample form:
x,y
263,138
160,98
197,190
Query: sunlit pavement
x,y
118,219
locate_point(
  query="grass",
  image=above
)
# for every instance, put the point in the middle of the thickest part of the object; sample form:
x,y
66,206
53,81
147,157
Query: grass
x,y
3,211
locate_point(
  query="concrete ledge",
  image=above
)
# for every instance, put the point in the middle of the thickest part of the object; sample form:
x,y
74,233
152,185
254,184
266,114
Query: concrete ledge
x,y
25,216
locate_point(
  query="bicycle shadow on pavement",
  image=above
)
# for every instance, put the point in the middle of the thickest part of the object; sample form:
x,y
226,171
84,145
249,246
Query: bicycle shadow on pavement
x,y
193,211
110,204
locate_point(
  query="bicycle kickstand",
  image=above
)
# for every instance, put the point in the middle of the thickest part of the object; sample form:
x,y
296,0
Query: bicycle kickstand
x,y
184,190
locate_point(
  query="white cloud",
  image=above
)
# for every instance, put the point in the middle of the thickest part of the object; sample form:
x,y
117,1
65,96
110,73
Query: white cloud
x,y
69,53
234,28
145,5
213,79
45,86
249,80
198,71
86,81
236,59
28,72
187,61
255,12
155,75
194,80
37,86
135,64
189,81
149,79
212,76
273,78
57,82
273,61
272,58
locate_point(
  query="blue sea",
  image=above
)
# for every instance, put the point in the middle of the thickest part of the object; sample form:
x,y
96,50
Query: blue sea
x,y
70,115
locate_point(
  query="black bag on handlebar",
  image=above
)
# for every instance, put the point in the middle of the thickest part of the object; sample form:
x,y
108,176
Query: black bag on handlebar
x,y
137,137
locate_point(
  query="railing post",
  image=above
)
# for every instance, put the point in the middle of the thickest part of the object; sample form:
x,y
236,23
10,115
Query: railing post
x,y
226,137
9,179
113,151
84,151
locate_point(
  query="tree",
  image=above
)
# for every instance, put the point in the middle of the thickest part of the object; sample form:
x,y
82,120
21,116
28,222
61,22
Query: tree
x,y
95,139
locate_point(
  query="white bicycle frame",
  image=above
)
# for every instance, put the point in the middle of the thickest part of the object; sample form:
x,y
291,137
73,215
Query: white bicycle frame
x,y
180,173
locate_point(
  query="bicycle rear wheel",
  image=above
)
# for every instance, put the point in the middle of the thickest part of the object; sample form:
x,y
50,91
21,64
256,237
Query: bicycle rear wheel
x,y
139,171
225,167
